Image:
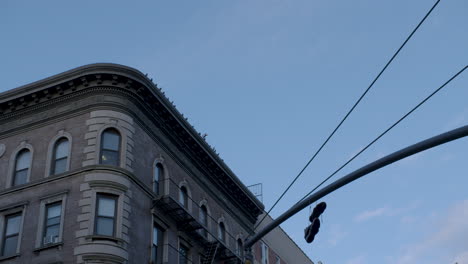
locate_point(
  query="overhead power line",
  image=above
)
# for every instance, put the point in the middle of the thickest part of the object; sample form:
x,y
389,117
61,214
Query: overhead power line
x,y
385,132
349,112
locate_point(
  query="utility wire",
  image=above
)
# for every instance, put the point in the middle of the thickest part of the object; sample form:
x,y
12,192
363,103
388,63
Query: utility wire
x,y
385,132
349,112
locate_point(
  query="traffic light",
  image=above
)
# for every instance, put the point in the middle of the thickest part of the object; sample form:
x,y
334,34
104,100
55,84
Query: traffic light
x,y
313,228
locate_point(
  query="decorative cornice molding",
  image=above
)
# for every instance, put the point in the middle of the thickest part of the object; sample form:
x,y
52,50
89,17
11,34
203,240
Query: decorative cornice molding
x,y
112,78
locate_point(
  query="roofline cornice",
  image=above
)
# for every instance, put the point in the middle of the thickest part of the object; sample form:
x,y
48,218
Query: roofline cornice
x,y
137,81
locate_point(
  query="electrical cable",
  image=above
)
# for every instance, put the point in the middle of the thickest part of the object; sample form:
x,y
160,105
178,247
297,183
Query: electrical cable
x,y
349,112
385,132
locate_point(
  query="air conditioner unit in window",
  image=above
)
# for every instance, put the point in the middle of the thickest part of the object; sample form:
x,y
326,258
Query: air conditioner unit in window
x,y
50,240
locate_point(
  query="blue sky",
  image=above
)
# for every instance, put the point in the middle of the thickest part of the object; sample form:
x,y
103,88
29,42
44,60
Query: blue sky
x,y
269,80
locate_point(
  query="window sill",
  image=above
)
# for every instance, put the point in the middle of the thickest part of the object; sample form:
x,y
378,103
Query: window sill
x,y
48,246
2,258
108,238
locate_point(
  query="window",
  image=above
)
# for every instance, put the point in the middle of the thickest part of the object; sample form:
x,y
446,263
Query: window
x,y
222,232
105,215
264,253
22,163
158,174
183,196
183,254
156,254
60,156
11,234
239,247
110,147
204,220
53,215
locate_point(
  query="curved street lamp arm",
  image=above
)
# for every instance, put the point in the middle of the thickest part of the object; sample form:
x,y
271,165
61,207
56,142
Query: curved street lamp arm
x,y
389,159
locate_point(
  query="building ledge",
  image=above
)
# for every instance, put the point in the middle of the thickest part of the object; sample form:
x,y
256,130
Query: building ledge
x,y
49,246
9,257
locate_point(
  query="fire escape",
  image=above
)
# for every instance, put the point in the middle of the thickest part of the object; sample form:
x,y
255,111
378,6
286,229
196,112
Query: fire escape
x,y
186,214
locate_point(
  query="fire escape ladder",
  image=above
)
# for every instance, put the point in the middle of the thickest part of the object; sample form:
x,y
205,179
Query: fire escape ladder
x,y
210,253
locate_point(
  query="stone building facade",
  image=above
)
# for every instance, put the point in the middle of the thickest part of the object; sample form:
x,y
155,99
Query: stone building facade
x,y
98,166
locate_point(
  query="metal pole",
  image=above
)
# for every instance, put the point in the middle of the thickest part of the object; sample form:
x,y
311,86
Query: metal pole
x,y
389,159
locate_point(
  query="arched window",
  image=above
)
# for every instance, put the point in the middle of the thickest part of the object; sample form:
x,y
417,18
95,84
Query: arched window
x,y
158,175
110,147
239,247
60,156
183,196
204,220
222,232
22,164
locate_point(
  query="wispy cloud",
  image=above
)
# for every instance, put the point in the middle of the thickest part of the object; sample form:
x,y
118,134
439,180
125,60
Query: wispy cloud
x,y
386,211
448,240
366,215
458,120
336,234
357,260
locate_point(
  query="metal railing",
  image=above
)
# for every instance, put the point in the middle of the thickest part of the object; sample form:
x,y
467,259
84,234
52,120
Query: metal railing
x,y
187,214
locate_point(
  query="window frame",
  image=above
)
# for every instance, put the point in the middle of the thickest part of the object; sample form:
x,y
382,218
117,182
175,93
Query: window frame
x,y
56,198
4,213
115,198
159,168
222,232
16,171
102,149
204,223
184,196
187,253
54,159
159,245
264,253
5,236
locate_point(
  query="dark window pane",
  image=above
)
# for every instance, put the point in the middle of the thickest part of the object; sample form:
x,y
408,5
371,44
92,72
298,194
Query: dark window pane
x,y
23,160
59,166
53,221
154,254
105,226
52,231
110,140
183,196
54,210
110,157
183,255
12,225
21,177
61,148
9,246
106,206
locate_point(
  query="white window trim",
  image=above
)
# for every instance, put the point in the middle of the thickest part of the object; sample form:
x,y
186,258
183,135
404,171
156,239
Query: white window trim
x,y
12,163
50,151
265,253
42,212
5,212
123,144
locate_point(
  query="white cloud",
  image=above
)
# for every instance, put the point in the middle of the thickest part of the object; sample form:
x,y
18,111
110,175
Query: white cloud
x,y
358,260
448,240
387,211
366,215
